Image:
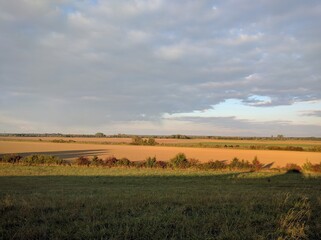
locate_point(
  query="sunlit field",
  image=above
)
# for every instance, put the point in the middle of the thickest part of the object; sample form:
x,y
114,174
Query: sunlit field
x,y
144,198
72,150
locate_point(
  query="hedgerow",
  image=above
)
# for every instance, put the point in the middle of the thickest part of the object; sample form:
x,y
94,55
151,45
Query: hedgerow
x,y
33,159
178,161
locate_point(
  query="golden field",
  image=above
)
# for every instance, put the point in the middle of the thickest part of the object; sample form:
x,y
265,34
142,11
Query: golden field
x,y
132,152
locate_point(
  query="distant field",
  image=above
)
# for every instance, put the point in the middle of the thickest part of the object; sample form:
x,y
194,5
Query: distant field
x,y
74,150
61,202
171,141
274,145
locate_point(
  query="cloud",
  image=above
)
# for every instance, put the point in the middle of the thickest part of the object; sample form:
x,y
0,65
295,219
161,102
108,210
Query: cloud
x,y
233,126
316,113
121,60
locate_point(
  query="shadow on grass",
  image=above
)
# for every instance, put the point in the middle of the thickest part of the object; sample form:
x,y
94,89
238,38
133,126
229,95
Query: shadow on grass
x,y
124,203
88,180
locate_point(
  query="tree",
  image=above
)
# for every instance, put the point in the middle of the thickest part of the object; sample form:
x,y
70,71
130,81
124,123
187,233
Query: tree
x,y
99,134
137,140
151,141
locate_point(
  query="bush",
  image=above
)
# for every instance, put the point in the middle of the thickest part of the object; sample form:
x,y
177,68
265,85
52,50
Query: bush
x,y
140,141
138,164
110,161
179,161
123,162
161,164
256,165
137,140
83,161
213,165
150,162
317,167
97,161
42,159
10,158
237,164
151,142
193,162
308,166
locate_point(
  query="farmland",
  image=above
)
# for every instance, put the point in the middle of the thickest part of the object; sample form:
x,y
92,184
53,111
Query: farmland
x,y
38,201
57,202
167,148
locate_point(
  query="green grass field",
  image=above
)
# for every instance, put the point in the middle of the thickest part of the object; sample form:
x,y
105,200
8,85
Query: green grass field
x,y
283,146
60,202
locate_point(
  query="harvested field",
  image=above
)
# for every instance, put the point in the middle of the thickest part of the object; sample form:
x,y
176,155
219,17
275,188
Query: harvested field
x,y
73,150
166,140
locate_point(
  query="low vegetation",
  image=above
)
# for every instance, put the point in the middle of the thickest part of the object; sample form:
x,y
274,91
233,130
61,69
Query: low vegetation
x,y
179,161
249,146
33,160
141,141
57,202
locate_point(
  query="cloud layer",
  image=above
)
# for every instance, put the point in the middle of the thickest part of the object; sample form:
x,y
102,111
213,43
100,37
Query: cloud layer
x,y
94,63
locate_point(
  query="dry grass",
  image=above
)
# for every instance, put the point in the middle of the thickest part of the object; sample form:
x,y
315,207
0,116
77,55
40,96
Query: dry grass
x,y
74,150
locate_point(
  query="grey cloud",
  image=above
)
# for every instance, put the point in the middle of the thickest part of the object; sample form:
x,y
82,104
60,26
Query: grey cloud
x,y
316,113
242,127
121,60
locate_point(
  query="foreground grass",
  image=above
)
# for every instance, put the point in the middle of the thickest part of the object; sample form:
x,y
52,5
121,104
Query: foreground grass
x,y
56,202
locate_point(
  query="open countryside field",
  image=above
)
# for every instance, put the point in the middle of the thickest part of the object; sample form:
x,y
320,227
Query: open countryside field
x,y
59,202
71,151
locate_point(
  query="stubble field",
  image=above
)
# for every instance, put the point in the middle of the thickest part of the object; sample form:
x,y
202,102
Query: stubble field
x,y
94,146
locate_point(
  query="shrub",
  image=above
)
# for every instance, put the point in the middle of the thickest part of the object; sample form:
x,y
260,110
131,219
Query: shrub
x,y
150,162
110,161
43,159
140,141
293,148
10,158
317,167
97,161
308,166
161,164
83,161
315,149
137,140
123,162
213,165
237,164
138,164
180,161
256,165
193,162
151,142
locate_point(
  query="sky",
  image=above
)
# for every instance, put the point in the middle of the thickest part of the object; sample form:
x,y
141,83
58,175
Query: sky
x,y
210,67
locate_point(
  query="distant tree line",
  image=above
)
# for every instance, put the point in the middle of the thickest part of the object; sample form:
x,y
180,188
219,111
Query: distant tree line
x,y
175,136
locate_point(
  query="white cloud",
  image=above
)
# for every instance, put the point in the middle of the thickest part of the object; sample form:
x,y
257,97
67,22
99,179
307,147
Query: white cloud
x,y
170,52
137,36
78,20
